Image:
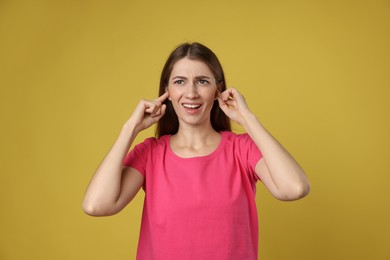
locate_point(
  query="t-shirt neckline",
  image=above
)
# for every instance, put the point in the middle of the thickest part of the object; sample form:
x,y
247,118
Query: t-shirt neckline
x,y
209,156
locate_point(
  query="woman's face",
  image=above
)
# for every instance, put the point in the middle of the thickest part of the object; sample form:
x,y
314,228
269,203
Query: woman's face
x,y
192,90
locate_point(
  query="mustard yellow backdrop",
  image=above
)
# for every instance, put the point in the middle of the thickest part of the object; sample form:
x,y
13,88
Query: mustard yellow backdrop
x,y
317,74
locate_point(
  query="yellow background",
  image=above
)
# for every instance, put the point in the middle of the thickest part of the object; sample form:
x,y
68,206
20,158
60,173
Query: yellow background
x,y
315,72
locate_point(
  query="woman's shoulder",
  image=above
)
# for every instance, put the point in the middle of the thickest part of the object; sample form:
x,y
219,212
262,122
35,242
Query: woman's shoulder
x,y
152,142
242,140
231,136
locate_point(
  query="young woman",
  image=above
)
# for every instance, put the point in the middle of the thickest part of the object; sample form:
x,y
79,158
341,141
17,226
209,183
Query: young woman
x,y
199,178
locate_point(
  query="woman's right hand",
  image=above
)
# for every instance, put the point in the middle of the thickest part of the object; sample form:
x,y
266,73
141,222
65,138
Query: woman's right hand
x,y
147,113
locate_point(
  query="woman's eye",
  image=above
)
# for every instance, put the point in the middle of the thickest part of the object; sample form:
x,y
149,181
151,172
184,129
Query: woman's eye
x,y
179,82
203,82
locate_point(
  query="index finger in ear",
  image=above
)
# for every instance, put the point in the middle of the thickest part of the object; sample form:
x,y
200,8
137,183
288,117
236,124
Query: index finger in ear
x,y
226,95
162,97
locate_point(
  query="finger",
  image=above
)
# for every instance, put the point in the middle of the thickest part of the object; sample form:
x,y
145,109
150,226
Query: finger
x,y
231,102
223,105
162,97
159,113
156,111
150,107
227,94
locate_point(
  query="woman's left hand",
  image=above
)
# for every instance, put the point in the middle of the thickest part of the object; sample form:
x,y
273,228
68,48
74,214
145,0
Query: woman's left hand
x,y
233,104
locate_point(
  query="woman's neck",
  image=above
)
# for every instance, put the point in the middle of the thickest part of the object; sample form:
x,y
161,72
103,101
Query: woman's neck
x,y
193,141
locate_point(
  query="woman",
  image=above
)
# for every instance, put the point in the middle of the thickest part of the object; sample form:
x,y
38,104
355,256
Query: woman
x,y
199,178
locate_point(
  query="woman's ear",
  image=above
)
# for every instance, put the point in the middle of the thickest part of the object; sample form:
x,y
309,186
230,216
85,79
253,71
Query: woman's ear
x,y
166,90
217,93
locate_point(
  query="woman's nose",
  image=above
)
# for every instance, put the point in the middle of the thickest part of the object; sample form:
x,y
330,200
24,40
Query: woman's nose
x,y
191,91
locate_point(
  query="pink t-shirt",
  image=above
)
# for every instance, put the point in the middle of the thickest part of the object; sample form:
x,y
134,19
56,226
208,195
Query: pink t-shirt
x,y
201,207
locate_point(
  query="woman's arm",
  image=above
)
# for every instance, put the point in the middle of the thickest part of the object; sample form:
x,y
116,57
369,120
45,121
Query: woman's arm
x,y
107,193
277,169
113,186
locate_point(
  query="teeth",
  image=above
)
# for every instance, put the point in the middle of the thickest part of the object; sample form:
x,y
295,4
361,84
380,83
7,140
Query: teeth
x,y
190,106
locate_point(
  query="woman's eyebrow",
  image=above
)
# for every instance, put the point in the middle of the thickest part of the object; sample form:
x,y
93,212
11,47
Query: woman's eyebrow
x,y
202,77
179,77
197,77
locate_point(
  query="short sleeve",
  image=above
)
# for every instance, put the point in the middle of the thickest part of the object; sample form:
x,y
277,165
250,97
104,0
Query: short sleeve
x,y
251,154
137,158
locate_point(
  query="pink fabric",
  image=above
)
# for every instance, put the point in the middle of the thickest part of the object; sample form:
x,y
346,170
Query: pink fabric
x,y
198,208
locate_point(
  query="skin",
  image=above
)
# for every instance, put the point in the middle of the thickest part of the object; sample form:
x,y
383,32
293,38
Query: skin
x,y
192,83
192,90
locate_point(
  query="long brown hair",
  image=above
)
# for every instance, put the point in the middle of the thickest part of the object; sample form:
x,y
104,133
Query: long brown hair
x,y
169,123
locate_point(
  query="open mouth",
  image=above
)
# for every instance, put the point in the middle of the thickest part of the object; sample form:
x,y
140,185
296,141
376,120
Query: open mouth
x,y
191,106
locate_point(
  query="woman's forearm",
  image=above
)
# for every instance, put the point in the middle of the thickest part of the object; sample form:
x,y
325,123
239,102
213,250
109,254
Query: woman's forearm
x,y
104,189
113,185
283,172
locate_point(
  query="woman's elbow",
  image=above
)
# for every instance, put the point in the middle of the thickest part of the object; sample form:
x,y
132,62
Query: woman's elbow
x,y
95,210
295,192
90,209
302,190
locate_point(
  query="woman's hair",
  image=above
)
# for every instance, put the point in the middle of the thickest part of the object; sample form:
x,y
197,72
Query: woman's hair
x,y
169,123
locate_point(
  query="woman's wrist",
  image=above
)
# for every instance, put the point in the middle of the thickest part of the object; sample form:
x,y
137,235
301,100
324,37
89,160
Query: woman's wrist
x,y
129,128
249,119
